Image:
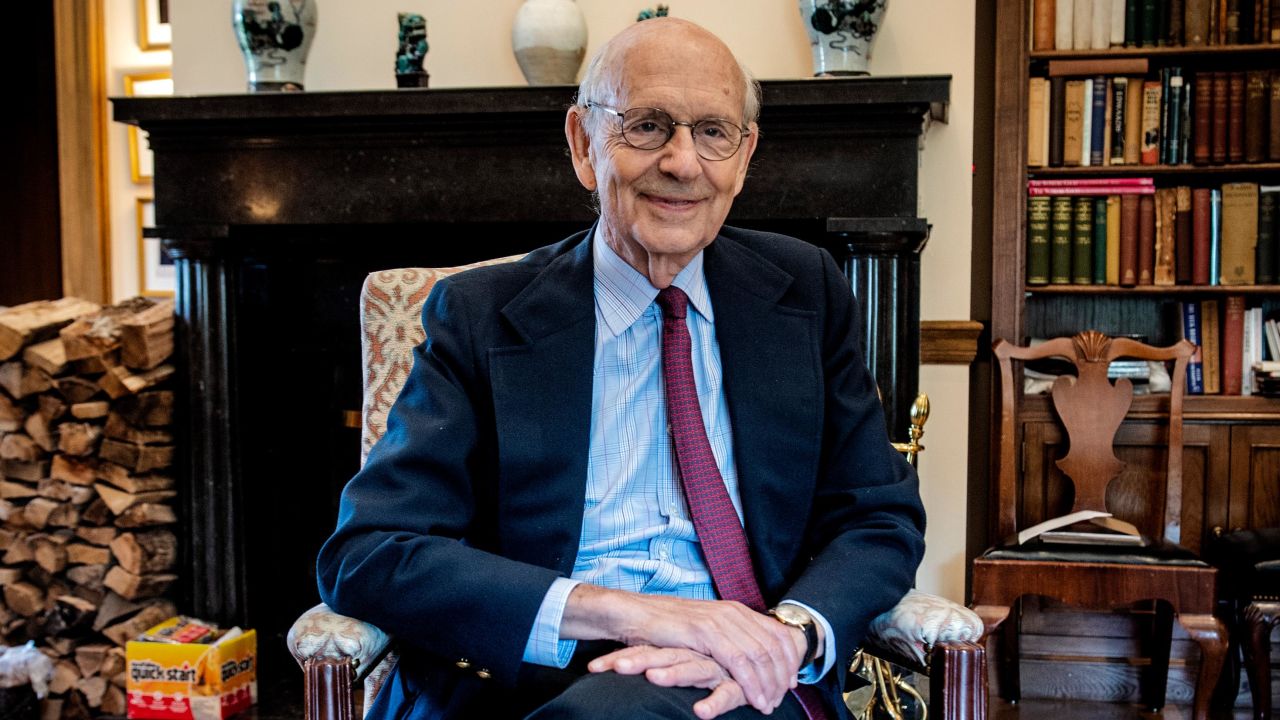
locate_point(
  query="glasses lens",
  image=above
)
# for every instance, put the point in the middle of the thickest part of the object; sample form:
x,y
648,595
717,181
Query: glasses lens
x,y
646,128
716,139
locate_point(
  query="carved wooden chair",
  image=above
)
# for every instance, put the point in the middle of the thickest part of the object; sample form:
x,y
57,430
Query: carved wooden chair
x,y
338,653
1092,576
1249,561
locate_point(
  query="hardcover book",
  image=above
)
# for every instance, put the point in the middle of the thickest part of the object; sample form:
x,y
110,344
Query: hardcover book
x,y
1211,348
1082,242
1239,233
1060,241
1038,240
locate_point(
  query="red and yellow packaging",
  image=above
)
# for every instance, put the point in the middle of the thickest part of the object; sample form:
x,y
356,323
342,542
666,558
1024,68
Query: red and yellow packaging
x,y
212,678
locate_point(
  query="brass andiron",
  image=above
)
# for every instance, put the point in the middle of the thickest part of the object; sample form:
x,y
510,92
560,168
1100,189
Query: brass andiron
x,y
919,416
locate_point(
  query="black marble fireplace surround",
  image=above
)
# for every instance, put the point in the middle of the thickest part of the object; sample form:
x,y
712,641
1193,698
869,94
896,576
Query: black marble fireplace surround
x,y
276,207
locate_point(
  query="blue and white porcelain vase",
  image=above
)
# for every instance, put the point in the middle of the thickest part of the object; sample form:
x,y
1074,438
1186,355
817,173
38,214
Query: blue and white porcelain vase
x,y
275,36
841,33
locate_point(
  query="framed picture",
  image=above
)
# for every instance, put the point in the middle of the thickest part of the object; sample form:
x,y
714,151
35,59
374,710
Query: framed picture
x,y
153,24
158,83
156,274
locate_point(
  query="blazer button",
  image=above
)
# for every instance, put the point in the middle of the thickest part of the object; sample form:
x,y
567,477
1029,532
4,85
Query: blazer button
x,y
484,674
463,663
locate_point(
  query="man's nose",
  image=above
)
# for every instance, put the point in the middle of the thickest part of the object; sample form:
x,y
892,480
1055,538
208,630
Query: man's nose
x,y
680,154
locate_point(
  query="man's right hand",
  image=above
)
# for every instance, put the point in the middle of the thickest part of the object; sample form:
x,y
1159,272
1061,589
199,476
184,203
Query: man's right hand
x,y
761,654
677,667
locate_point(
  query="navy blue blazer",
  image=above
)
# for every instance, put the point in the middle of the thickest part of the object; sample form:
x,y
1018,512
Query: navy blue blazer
x,y
471,504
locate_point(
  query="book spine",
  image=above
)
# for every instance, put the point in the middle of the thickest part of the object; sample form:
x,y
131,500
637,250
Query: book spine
x,y
1148,23
1099,240
1248,347
1132,22
1215,236
1256,130
1057,119
1038,240
1202,137
1163,147
1082,242
1191,332
1060,241
1274,21
1231,30
1265,269
1098,125
1201,229
1151,122
1146,239
1043,17
1220,109
1064,24
1129,229
1273,116
1184,138
1235,123
1177,10
1239,233
1092,182
1117,22
1196,24
1233,345
1093,190
1037,92
1073,123
1113,240
1182,234
1100,38
1119,93
1174,125
1082,33
1165,254
1211,347
1133,123
1086,130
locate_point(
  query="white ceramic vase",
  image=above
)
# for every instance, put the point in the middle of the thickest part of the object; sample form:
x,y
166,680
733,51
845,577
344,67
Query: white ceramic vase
x,y
842,33
275,36
549,38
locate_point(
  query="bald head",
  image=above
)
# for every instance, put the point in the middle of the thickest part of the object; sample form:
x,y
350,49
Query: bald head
x,y
649,47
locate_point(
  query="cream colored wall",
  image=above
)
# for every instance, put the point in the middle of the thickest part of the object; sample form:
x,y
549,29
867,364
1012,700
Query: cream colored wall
x,y
354,49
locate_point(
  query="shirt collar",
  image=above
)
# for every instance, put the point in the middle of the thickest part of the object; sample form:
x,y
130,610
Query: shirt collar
x,y
623,294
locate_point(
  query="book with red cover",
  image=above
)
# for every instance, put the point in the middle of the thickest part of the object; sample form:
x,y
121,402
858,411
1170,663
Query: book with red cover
x,y
1232,355
1092,182
1256,130
1219,110
1196,23
1235,122
1151,104
1043,16
1201,234
1146,239
1033,191
1202,135
1129,240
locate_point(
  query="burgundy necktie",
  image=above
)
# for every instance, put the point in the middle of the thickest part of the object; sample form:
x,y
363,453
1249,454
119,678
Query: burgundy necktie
x,y
724,543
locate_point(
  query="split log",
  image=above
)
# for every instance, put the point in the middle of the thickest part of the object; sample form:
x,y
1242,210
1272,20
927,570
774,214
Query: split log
x,y
76,389
75,470
21,380
119,382
17,491
18,551
117,428
145,515
152,615
98,364
11,414
121,478
47,355
24,470
89,576
37,427
52,406
24,598
9,575
71,617
97,513
146,552
93,688
147,336
114,665
90,410
138,458
6,534
82,554
89,658
49,555
20,447
114,609
119,501
36,321
65,492
65,677
42,512
134,587
114,703
95,333
148,409
78,438
97,535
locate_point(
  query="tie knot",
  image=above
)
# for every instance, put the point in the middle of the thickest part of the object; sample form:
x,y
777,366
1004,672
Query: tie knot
x,y
673,301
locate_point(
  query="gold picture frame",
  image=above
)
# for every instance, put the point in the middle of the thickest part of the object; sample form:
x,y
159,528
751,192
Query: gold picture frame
x,y
154,31
156,274
157,83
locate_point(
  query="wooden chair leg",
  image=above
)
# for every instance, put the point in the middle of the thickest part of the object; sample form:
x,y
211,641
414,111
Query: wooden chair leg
x,y
1156,678
327,689
993,617
958,681
1259,619
1211,635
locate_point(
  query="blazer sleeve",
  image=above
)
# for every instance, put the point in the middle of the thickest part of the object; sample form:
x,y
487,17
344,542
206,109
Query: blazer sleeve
x,y
866,534
406,555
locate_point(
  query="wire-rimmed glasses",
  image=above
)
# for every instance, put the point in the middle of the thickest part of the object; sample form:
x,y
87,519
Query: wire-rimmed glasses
x,y
646,128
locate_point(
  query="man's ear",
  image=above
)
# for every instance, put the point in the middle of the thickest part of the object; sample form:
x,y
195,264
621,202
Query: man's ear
x,y
744,156
580,146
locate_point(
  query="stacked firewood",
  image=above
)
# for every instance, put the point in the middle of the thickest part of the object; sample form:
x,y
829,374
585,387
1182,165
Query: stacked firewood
x,y
86,550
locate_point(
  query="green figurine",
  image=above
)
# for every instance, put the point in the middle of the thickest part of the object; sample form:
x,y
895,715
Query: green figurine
x,y
412,51
649,13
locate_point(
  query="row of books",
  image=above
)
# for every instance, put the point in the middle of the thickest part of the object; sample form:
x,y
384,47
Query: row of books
x,y
1127,232
1102,24
1234,346
1207,118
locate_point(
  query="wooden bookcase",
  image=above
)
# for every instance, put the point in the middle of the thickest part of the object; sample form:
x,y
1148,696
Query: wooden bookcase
x,y
1232,463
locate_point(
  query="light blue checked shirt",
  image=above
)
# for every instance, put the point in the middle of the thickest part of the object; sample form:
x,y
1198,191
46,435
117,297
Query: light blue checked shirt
x,y
636,531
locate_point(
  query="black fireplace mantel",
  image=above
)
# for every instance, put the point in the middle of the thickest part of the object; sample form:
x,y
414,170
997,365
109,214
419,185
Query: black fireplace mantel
x,y
275,207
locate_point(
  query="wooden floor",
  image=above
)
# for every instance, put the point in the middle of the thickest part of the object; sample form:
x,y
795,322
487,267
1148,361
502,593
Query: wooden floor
x,y
1083,710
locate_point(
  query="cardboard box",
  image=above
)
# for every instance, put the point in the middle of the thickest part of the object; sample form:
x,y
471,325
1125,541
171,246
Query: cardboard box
x,y
177,680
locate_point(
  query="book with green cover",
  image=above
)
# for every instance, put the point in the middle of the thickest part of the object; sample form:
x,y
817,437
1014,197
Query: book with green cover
x,y
1100,240
1060,240
1038,240
1082,242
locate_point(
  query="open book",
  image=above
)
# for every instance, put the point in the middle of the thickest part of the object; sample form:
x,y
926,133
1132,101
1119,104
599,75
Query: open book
x,y
1086,527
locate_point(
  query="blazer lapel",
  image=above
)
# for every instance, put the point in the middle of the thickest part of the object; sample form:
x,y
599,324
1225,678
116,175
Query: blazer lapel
x,y
773,386
542,408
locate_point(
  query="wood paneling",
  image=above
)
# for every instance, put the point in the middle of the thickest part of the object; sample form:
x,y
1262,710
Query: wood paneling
x,y
949,342
1255,477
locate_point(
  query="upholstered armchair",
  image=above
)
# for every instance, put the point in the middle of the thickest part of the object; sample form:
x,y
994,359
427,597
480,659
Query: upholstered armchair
x,y
923,632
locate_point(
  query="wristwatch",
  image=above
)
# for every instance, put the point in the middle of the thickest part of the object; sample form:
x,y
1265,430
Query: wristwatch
x,y
798,617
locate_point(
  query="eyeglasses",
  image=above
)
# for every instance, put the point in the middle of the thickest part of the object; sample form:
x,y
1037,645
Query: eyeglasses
x,y
646,128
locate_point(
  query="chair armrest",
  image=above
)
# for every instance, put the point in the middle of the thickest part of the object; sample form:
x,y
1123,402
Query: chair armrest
x,y
322,634
919,623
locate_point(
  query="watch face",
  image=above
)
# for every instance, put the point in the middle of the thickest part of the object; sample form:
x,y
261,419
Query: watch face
x,y
792,615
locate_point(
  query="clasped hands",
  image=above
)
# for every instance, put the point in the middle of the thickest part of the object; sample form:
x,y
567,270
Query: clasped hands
x,y
742,656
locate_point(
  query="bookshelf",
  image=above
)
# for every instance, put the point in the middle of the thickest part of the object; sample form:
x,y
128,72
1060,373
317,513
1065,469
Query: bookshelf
x,y
1233,442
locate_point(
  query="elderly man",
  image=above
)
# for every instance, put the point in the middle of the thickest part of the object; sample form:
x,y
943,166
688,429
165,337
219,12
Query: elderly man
x,y
642,472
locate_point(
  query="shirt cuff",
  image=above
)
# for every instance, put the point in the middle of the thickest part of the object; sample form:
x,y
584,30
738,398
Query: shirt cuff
x,y
545,646
813,672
